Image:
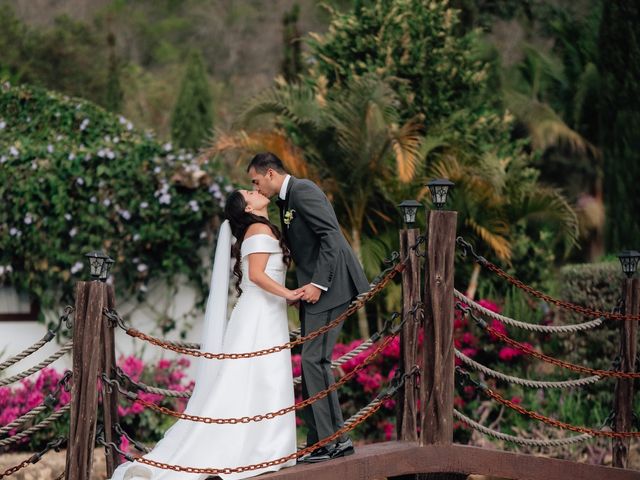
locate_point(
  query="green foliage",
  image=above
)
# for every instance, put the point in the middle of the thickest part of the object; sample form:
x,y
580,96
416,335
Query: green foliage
x,y
619,107
192,118
75,178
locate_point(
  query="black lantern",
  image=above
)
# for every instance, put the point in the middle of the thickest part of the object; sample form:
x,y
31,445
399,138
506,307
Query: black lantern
x,y
96,263
629,261
439,189
409,211
106,267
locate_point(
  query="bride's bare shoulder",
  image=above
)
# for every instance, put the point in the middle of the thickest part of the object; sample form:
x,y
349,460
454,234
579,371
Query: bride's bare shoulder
x,y
258,229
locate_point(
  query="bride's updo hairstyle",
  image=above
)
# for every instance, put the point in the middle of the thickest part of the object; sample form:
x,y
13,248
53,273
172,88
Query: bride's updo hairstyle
x,y
240,221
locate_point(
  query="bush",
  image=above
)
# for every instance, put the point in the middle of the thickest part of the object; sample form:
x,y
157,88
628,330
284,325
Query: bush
x,y
75,178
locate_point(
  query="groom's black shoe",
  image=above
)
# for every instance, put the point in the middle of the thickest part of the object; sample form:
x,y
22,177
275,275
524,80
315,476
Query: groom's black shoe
x,y
319,455
342,449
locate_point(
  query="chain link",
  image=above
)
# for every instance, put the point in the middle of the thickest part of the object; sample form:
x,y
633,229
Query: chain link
x,y
35,458
541,356
13,470
588,312
355,306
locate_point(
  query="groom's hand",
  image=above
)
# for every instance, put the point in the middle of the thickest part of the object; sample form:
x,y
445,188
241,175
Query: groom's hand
x,y
311,293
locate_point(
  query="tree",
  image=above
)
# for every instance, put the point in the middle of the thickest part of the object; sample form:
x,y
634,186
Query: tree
x,y
292,61
115,95
192,119
619,67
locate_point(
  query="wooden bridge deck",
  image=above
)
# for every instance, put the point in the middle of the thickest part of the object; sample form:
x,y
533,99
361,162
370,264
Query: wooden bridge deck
x,y
394,459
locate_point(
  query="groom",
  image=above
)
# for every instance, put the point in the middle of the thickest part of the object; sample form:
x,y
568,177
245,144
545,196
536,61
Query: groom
x,y
329,275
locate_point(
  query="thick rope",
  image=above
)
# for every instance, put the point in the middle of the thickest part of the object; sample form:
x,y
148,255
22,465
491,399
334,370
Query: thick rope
x,y
46,362
528,326
23,419
578,382
560,442
43,424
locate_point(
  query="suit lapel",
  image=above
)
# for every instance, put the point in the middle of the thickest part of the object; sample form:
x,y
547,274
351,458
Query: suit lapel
x,y
284,205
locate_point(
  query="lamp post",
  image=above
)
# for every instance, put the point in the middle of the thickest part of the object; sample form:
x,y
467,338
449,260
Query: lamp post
x,y
96,263
407,405
106,268
439,189
624,390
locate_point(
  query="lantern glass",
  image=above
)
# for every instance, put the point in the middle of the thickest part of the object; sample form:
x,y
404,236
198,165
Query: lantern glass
x,y
629,262
106,268
409,211
439,189
96,263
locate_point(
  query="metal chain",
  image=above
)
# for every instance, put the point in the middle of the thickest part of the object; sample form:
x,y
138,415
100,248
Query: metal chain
x,y
138,446
35,458
529,442
537,416
46,362
397,383
528,326
43,424
50,335
588,312
47,403
355,306
579,382
256,418
541,356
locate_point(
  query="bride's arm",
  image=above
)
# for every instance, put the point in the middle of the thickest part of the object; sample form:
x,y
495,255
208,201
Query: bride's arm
x,y
257,274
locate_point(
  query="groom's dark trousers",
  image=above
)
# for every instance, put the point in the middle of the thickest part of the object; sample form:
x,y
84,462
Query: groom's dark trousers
x,y
324,417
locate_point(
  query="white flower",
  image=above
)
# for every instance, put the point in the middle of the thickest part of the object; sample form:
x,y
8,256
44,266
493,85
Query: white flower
x,y
142,268
28,219
194,205
34,165
80,181
122,120
28,119
3,159
76,267
144,205
116,139
58,137
14,232
111,155
143,288
73,232
129,126
125,214
101,153
228,188
203,235
93,199
87,157
165,198
84,124
136,237
106,202
14,151
135,260
3,124
72,156
167,147
157,170
217,195
67,216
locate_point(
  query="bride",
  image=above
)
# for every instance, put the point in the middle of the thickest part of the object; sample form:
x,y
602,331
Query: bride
x,y
242,387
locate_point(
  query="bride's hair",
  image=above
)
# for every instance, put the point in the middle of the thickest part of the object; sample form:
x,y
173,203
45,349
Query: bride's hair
x,y
240,221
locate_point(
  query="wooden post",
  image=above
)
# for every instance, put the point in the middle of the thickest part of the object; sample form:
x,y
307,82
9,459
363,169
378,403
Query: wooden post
x,y
407,412
91,298
436,394
109,399
623,402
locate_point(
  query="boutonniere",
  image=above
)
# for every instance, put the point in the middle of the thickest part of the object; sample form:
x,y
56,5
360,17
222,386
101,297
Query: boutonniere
x,y
288,216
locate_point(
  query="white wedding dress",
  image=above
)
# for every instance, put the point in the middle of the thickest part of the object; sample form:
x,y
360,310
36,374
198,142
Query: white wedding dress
x,y
234,388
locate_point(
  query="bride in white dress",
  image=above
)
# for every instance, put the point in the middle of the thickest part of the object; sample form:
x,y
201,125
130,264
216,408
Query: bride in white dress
x,y
242,387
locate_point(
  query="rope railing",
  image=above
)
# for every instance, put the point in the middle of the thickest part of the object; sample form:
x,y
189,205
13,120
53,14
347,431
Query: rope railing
x,y
543,418
396,384
50,335
358,303
528,326
528,442
588,312
46,362
47,404
541,356
255,418
578,382
35,458
36,428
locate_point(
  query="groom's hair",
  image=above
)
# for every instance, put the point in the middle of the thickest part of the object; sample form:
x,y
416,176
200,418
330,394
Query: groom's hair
x,y
264,161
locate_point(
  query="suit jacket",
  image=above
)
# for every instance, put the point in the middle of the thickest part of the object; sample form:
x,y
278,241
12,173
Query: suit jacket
x,y
318,247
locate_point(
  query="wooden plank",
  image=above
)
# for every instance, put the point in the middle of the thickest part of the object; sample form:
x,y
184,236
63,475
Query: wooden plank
x,y
436,395
407,412
86,364
109,399
394,459
623,401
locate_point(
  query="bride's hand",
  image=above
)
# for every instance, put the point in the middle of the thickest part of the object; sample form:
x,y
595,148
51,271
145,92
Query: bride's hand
x,y
293,296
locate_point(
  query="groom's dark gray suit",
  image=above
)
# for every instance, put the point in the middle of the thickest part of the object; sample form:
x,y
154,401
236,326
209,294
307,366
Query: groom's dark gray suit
x,y
323,257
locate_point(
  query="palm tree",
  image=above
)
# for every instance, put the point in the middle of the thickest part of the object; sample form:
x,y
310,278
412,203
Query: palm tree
x,y
348,140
